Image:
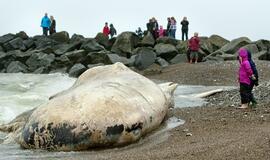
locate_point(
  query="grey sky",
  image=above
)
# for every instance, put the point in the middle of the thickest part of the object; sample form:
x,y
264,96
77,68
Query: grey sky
x,y
228,18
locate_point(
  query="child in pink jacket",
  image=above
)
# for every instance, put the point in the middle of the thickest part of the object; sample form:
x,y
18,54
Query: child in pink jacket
x,y
245,75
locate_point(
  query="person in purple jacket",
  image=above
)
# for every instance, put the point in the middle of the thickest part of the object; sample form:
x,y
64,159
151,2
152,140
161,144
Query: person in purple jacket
x,y
245,75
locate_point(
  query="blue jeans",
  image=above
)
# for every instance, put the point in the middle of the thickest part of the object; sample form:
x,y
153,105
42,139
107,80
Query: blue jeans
x,y
172,34
45,31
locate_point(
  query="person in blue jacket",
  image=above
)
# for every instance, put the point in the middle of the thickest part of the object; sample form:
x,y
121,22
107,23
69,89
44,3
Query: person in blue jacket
x,y
255,80
45,24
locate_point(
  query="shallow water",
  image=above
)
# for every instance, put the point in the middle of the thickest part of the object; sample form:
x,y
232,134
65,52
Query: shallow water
x,y
21,92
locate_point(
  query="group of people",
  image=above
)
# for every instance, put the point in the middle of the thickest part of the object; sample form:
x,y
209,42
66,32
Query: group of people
x,y
158,31
48,24
109,31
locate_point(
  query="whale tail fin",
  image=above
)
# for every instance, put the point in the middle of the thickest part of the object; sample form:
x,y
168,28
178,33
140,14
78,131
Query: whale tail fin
x,y
168,89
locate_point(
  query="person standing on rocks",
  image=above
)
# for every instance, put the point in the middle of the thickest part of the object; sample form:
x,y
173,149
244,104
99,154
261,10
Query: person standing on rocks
x,y
245,74
149,26
139,32
155,28
106,30
45,24
184,24
194,46
168,27
53,25
112,31
173,27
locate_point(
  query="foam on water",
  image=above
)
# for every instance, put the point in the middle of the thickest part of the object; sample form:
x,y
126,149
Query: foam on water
x,y
21,92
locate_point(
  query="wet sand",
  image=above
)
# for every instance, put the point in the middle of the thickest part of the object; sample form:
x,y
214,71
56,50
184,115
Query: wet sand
x,y
215,131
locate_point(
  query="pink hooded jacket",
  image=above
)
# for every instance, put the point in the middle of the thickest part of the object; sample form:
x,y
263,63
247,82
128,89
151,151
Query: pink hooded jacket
x,y
245,71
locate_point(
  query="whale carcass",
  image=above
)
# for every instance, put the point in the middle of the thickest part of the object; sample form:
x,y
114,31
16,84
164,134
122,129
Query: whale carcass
x,y
107,106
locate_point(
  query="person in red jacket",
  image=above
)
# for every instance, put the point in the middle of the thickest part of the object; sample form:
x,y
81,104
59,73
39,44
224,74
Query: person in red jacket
x,y
106,30
194,46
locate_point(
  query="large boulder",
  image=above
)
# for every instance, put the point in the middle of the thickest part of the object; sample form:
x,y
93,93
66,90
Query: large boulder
x,y
91,45
144,57
107,106
77,38
63,48
220,56
167,40
103,40
77,70
29,43
180,58
206,45
38,60
252,48
19,55
2,56
125,44
61,62
61,37
42,42
22,35
114,58
182,47
162,62
76,56
166,51
263,45
6,38
16,67
148,40
97,57
264,56
15,44
217,42
235,45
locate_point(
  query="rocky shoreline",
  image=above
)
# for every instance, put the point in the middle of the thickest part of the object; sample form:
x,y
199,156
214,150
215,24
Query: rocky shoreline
x,y
73,55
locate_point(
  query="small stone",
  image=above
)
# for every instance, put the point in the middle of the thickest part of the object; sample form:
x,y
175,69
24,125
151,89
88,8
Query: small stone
x,y
189,134
185,130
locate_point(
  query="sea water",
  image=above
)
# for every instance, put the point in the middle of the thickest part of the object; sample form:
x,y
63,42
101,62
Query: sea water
x,y
22,92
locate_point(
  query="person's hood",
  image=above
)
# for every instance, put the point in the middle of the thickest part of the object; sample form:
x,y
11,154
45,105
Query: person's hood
x,y
243,53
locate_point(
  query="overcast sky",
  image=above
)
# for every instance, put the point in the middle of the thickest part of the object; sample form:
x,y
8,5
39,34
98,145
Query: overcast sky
x,y
228,18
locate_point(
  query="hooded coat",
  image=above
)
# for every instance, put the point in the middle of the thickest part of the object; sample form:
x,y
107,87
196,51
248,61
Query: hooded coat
x,y
245,71
45,22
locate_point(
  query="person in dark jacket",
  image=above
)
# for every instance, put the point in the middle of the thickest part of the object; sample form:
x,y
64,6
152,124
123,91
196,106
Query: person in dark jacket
x,y
149,26
139,32
53,25
254,81
45,24
168,27
112,31
184,24
154,25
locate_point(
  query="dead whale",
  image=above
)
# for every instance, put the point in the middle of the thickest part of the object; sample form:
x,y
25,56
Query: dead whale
x,y
107,106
